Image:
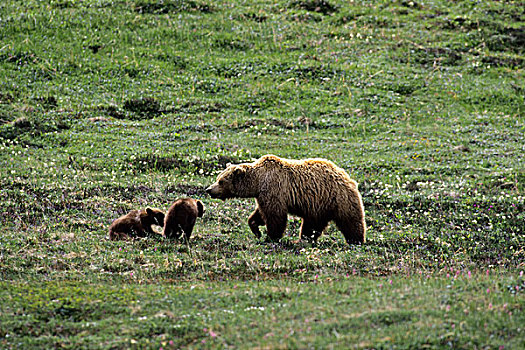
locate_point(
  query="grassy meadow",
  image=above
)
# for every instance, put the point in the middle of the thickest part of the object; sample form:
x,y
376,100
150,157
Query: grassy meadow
x,y
113,105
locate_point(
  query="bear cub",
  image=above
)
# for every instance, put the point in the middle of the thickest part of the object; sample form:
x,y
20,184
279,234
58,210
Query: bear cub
x,y
136,223
181,217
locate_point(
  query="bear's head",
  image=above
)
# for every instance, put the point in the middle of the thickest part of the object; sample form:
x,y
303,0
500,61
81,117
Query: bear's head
x,y
153,216
233,182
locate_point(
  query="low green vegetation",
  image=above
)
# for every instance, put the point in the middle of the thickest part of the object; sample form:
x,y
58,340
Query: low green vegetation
x,y
113,105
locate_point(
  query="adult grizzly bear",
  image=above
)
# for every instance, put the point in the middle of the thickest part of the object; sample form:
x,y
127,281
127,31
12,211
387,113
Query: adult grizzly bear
x,y
181,217
136,222
314,189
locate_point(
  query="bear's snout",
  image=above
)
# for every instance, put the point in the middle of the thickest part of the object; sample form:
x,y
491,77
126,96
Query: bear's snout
x,y
215,191
212,192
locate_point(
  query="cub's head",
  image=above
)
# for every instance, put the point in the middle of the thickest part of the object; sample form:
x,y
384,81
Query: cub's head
x,y
155,216
231,183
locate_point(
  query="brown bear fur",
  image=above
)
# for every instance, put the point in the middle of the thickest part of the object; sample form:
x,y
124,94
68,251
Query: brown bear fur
x,y
181,217
136,223
314,189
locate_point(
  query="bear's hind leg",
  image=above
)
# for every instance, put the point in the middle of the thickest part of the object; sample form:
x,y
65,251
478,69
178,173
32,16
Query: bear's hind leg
x,y
169,231
118,236
188,228
312,230
353,230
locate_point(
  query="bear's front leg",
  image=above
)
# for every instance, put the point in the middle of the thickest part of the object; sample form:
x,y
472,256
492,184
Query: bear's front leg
x,y
254,221
276,225
147,230
275,215
140,231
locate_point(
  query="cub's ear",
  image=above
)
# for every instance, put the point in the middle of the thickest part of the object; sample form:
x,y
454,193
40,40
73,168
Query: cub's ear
x,y
149,211
200,208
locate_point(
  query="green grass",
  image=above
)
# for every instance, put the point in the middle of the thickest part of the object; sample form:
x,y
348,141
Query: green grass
x,y
107,106
458,311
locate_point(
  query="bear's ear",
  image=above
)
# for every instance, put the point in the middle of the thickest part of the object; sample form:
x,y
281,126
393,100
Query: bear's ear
x,y
200,209
149,211
239,172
